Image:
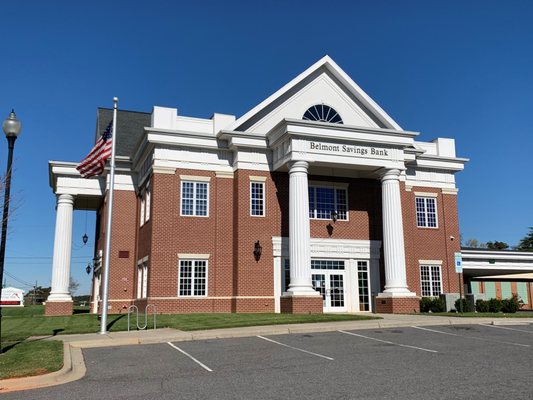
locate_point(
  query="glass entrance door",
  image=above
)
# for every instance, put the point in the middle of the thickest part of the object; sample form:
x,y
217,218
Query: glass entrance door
x,y
328,280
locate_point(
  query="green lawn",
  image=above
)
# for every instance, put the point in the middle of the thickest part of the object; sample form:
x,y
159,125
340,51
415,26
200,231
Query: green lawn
x,y
18,324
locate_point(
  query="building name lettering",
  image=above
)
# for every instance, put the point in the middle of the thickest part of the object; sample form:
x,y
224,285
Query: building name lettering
x,y
355,150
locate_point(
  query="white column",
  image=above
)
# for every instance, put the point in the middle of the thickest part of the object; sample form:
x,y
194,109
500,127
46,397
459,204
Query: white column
x,y
299,231
62,249
393,243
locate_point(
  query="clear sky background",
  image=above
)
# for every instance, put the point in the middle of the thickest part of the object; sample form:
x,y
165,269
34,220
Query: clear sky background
x,y
460,69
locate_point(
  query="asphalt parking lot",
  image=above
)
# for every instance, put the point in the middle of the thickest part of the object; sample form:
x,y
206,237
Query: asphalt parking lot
x,y
441,362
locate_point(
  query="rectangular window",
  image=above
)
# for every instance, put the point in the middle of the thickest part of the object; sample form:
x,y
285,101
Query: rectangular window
x,y
287,274
147,205
194,198
430,280
426,212
327,264
323,201
192,278
142,279
142,211
257,199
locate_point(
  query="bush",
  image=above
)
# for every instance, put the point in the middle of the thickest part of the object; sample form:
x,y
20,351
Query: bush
x,y
467,305
482,306
511,305
432,304
495,305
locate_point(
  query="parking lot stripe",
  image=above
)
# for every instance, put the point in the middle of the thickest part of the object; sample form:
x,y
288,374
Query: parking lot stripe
x,y
510,329
386,341
471,337
191,357
296,348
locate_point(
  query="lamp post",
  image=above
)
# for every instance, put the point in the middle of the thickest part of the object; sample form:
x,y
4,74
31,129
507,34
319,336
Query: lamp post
x,y
11,127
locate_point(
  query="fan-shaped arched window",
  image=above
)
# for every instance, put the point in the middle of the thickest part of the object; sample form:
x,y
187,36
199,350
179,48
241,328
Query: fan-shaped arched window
x,y
323,113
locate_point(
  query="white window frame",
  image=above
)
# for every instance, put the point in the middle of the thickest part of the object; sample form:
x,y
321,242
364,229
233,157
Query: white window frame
x,y
193,278
335,188
194,203
141,222
147,201
142,278
263,197
430,280
426,199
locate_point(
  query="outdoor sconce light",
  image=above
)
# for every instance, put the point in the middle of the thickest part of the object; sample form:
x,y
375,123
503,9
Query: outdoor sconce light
x,y
257,251
85,238
88,269
334,216
329,228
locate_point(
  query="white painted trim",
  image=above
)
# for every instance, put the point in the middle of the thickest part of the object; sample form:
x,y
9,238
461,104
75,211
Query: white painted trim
x,y
190,256
193,276
263,199
426,194
211,297
195,178
164,170
430,262
258,178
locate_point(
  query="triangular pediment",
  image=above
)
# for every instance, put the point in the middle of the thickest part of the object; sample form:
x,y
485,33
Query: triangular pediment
x,y
322,83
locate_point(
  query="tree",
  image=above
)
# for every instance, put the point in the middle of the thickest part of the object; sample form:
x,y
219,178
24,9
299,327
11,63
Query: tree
x,y
497,245
526,244
474,244
73,286
37,295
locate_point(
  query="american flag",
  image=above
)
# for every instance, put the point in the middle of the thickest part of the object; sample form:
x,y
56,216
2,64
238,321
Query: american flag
x,y
94,163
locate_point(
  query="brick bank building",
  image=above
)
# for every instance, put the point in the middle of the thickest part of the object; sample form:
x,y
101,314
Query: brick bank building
x,y
315,200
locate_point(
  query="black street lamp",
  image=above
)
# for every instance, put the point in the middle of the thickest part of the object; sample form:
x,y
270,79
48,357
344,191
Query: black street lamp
x,y
11,127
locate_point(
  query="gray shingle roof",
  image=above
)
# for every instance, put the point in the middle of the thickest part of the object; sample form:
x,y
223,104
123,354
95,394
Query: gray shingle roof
x,y
130,128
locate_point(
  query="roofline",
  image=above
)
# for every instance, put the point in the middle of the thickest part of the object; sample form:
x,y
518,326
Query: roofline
x,y
328,63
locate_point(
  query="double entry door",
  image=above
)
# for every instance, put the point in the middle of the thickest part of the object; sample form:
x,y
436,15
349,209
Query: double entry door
x,y
328,278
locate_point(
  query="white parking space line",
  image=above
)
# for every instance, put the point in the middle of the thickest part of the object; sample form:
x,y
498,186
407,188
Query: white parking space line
x,y
191,357
386,341
505,327
296,348
471,337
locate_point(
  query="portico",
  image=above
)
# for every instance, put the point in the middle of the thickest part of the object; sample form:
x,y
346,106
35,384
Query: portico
x,y
371,153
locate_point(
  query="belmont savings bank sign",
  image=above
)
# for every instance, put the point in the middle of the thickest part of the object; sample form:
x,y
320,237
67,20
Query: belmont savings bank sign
x,y
353,150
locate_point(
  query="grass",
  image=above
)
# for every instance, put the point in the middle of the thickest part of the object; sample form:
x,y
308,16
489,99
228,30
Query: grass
x,y
31,358
23,357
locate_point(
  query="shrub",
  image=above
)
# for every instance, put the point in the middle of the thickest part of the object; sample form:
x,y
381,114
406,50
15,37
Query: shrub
x,y
467,305
495,305
482,306
432,304
511,305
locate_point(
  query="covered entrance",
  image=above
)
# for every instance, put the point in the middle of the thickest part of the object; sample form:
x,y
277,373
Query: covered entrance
x,y
328,279
344,272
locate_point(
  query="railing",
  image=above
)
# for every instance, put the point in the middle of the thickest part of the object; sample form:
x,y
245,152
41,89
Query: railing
x,y
145,326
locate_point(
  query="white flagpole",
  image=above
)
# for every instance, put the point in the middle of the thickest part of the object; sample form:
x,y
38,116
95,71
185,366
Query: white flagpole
x,y
107,256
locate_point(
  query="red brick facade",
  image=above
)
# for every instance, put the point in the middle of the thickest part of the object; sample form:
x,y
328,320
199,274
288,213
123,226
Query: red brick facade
x,y
237,281
55,308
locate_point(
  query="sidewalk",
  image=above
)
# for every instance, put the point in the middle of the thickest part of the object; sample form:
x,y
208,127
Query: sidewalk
x,y
74,366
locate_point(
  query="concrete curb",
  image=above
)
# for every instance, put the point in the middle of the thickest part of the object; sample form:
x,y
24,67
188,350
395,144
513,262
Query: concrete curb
x,y
74,366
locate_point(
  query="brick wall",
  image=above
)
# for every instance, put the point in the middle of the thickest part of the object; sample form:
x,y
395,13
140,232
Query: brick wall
x,y
237,282
431,243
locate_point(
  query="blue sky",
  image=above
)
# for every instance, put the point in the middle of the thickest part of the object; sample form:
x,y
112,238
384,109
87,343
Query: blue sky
x,y
460,69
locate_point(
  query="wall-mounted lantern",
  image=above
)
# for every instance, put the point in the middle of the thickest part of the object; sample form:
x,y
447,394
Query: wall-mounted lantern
x,y
258,250
334,216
